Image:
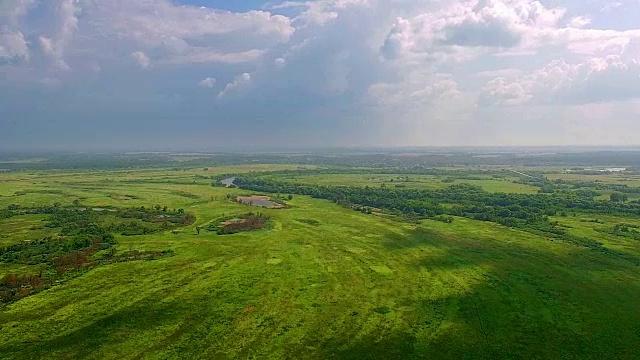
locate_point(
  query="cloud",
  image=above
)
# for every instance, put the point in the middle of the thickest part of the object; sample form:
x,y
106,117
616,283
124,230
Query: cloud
x,y
367,71
11,11
611,78
67,34
319,13
479,23
185,34
207,82
65,24
13,46
141,59
240,83
579,22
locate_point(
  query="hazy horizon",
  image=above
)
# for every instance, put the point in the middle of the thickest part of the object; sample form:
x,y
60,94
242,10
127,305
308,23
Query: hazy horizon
x,y
346,150
115,75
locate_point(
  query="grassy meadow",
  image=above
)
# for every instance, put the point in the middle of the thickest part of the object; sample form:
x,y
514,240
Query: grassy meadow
x,y
323,282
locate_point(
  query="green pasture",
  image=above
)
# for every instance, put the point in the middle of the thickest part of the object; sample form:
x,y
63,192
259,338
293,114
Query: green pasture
x,y
325,282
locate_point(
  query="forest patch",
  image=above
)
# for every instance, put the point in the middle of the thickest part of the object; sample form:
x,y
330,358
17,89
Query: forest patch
x,y
239,223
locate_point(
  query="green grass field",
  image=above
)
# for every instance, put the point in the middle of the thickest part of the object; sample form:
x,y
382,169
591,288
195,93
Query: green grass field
x,y
324,282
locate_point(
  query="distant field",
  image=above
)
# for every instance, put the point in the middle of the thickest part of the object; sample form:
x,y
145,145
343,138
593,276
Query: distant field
x,y
619,179
21,228
324,282
409,181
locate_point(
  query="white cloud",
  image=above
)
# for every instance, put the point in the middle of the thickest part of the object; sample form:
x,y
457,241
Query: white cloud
x,y
65,24
280,62
240,83
141,59
185,34
400,40
579,22
610,78
12,46
500,91
475,23
207,82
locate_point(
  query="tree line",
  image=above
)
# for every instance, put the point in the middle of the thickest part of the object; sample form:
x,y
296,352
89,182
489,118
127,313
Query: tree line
x,y
515,210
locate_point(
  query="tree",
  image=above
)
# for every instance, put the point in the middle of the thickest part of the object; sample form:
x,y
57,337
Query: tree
x,y
290,197
198,228
618,197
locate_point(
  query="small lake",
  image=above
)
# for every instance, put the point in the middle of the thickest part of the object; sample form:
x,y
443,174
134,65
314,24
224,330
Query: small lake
x,y
261,201
228,181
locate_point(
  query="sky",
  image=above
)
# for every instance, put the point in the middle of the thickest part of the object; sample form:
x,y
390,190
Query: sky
x,y
199,74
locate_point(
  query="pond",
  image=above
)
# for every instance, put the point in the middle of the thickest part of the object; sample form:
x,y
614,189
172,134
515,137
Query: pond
x,y
261,201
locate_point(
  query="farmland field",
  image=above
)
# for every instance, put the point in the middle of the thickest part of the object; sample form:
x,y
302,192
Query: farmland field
x,y
322,281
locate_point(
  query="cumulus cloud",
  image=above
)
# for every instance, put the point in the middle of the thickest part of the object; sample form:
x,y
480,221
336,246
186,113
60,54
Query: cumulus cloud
x,y
186,34
475,23
238,84
207,82
597,80
12,46
141,59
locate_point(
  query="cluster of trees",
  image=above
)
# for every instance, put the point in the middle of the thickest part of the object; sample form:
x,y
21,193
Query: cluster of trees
x,y
79,233
559,184
15,287
629,231
14,210
239,223
158,214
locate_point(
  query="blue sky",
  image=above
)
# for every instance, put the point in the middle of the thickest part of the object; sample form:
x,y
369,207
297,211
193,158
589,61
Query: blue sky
x,y
121,74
